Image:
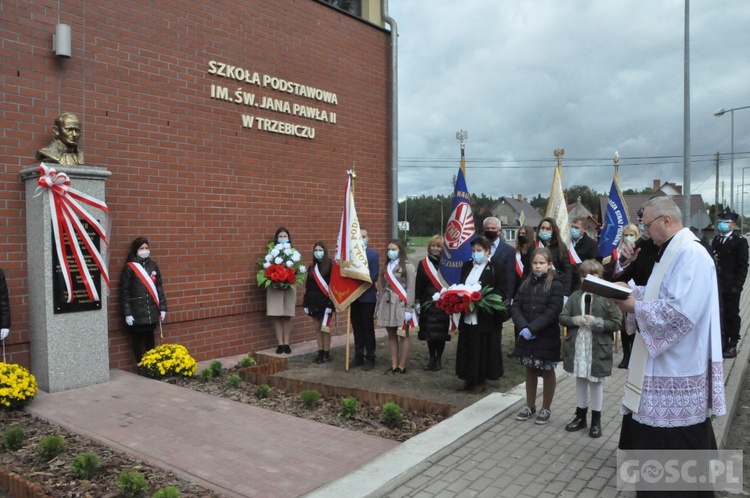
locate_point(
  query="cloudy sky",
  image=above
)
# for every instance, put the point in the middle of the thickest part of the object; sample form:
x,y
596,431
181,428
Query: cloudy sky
x,y
590,76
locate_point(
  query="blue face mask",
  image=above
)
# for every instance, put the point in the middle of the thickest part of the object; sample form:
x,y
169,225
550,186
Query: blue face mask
x,y
478,257
575,233
392,255
364,241
282,240
723,226
318,254
545,235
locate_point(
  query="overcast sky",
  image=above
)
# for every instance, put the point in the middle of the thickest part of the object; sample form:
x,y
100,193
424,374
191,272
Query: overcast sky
x,y
593,77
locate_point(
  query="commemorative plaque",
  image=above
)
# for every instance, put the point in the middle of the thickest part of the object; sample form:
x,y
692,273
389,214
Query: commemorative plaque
x,y
81,300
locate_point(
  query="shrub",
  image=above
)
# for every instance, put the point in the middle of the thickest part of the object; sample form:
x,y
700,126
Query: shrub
x,y
262,391
132,484
50,447
390,415
13,439
168,360
309,398
247,361
206,375
349,407
168,492
17,386
215,367
85,466
234,381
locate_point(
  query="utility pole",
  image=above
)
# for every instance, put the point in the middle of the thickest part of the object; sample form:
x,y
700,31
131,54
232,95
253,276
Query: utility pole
x,y
716,194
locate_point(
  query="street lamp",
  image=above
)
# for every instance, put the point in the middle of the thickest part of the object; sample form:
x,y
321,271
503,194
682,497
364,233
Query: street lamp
x,y
718,113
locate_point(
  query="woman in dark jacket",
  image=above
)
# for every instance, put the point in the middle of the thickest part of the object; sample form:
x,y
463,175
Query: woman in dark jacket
x,y
317,302
548,235
536,311
479,354
141,297
433,322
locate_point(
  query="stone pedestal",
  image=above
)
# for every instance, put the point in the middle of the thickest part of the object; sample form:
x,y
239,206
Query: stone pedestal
x,y
68,350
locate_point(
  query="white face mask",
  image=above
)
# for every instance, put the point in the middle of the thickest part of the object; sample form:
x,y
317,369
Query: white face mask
x,y
144,253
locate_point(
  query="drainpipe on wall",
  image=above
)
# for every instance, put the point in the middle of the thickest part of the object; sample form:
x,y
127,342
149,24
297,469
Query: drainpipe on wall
x,y
394,118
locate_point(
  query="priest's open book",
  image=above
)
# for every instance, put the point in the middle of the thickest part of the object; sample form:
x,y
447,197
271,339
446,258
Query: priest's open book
x,y
600,287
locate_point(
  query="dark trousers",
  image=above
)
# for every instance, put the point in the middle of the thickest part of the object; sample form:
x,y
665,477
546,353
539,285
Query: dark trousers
x,y
143,339
729,307
363,325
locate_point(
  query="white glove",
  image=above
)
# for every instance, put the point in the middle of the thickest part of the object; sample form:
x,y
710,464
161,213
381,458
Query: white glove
x,y
565,300
578,320
162,315
417,308
329,311
4,333
306,310
130,320
407,316
588,320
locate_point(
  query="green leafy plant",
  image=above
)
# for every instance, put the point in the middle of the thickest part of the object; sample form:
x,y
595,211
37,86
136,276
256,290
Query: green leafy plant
x,y
50,447
309,398
349,407
262,391
132,484
215,368
13,439
247,361
390,415
234,381
206,375
85,466
17,386
168,360
168,492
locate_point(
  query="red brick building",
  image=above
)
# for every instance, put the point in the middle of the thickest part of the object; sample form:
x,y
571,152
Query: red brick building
x,y
219,121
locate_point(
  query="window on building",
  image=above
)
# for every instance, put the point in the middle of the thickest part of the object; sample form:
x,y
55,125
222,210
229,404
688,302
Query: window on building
x,y
353,7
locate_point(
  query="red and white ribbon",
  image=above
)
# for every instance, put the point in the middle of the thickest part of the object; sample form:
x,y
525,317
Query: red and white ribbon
x,y
146,280
575,259
395,284
432,274
65,212
322,284
412,323
324,327
519,265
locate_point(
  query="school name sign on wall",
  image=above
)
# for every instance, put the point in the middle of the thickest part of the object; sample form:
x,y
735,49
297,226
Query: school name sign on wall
x,y
250,99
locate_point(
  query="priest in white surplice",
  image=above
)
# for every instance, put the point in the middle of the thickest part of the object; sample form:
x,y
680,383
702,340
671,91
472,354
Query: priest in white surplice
x,y
675,379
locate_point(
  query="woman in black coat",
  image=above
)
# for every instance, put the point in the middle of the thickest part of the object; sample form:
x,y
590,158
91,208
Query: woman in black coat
x,y
479,354
317,302
536,310
548,235
142,297
433,322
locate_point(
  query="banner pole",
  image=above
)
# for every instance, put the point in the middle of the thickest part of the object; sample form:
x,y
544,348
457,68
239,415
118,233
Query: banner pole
x,y
348,330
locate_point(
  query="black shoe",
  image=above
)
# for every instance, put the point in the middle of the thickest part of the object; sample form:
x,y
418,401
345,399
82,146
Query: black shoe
x,y
390,371
730,352
319,359
326,357
280,349
579,422
431,365
287,349
358,361
596,424
624,362
438,365
368,365
400,370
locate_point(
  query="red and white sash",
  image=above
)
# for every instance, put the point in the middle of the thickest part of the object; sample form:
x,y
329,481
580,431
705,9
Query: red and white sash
x,y
519,265
432,274
322,284
145,279
575,259
395,284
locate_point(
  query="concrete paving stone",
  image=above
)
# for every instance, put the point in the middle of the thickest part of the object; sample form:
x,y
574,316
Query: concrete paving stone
x,y
525,479
401,492
595,463
463,452
452,476
459,485
490,492
480,484
450,460
555,486
487,463
467,465
597,482
534,489
589,493
503,481
512,490
473,474
606,472
437,486
545,494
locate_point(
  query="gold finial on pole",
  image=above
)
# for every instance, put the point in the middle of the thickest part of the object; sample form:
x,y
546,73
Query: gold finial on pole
x,y
462,136
617,161
559,153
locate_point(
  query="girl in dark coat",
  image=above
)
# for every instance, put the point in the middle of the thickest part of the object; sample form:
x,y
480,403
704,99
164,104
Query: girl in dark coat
x,y
479,354
142,297
317,302
433,322
548,235
535,311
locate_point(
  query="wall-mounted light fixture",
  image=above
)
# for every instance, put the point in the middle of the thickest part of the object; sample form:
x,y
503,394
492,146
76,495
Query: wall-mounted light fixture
x,y
61,41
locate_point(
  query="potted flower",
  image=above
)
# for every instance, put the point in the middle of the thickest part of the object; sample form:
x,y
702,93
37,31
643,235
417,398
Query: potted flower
x,y
168,360
282,267
17,386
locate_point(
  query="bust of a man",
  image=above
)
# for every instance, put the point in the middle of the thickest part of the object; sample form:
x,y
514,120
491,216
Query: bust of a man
x,y
64,148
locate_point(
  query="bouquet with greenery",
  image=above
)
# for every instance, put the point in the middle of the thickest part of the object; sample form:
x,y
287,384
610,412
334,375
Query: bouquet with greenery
x,y
168,360
17,386
282,267
460,298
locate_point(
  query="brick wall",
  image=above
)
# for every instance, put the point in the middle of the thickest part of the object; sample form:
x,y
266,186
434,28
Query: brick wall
x,y
207,192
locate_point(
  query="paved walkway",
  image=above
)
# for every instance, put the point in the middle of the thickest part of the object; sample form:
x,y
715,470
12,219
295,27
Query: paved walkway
x,y
243,451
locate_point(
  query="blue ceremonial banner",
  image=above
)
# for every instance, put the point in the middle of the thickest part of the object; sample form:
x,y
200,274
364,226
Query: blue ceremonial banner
x,y
459,231
615,220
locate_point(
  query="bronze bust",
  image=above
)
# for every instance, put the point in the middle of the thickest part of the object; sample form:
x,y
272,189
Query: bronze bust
x,y
64,148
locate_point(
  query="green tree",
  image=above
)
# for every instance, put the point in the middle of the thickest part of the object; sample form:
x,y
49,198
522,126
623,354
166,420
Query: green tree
x,y
589,198
539,203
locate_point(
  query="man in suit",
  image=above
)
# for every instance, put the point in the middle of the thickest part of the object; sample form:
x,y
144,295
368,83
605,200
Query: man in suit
x,y
585,247
363,312
730,254
500,251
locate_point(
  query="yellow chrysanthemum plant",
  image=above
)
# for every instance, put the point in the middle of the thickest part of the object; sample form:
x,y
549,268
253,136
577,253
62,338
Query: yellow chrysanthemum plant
x,y
168,360
17,386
